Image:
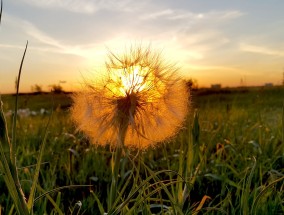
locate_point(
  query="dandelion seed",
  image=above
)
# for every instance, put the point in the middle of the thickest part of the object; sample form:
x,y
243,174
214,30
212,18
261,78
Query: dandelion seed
x,y
140,102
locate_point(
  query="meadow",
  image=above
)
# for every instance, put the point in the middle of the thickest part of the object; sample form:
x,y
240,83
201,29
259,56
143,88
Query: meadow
x,y
227,159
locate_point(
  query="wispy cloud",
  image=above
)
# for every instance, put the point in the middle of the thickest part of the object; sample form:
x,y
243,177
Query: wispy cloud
x,y
39,35
214,68
158,14
79,6
185,27
260,50
230,14
10,46
170,14
44,42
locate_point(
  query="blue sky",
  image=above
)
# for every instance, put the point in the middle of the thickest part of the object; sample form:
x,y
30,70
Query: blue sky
x,y
212,41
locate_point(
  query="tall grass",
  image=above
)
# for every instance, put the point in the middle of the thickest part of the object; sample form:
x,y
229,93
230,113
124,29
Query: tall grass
x,y
8,164
228,160
1,7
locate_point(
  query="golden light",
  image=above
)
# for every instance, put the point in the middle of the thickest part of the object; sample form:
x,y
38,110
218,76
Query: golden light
x,y
140,102
130,80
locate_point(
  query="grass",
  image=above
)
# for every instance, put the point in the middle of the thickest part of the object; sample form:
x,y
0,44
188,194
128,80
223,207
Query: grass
x,y
228,159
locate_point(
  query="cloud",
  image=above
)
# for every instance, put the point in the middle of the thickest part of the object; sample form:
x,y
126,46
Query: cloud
x,y
42,37
199,31
260,50
170,14
10,46
156,15
80,6
43,41
231,14
172,29
213,68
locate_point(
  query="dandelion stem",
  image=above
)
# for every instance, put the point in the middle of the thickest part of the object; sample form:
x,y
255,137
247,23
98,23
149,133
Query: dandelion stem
x,y
114,179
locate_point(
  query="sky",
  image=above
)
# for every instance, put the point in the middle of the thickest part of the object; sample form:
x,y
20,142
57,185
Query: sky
x,y
231,43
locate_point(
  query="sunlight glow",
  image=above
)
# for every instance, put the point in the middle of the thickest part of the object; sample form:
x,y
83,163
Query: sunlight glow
x,y
141,94
131,80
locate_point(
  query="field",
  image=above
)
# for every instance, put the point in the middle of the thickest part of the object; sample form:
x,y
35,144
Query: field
x,y
228,159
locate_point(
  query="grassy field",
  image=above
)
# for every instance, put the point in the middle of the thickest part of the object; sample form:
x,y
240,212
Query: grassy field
x,y
228,159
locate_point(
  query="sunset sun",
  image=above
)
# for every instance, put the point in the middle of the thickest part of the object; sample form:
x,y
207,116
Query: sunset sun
x,y
130,80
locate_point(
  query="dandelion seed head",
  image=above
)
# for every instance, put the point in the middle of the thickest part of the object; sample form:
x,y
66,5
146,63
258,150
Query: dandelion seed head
x,y
139,103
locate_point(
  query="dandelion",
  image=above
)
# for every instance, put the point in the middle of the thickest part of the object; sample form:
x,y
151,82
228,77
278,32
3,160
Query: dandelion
x,y
139,103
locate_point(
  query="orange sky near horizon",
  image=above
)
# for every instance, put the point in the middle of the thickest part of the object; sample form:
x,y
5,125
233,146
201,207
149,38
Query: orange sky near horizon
x,y
71,75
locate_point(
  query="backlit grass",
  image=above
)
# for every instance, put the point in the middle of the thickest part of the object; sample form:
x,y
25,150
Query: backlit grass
x,y
232,164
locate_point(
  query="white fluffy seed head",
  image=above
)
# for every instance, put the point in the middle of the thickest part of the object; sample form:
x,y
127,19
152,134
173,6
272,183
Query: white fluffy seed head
x,y
141,96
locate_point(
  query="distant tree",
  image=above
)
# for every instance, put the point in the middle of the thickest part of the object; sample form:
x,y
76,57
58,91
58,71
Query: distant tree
x,y
56,88
36,89
192,84
216,86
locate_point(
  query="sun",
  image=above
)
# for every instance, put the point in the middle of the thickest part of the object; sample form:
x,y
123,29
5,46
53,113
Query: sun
x,y
131,80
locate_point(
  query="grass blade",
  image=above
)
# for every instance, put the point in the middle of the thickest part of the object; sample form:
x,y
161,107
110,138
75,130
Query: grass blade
x,y
283,129
121,192
4,138
134,192
163,186
255,203
246,192
51,201
33,188
9,181
58,189
154,176
13,146
7,169
100,205
204,198
1,10
196,129
11,210
13,166
180,172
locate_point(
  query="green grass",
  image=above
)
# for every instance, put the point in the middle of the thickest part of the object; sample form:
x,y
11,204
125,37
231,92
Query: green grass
x,y
232,153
